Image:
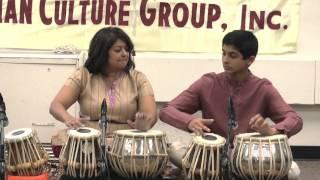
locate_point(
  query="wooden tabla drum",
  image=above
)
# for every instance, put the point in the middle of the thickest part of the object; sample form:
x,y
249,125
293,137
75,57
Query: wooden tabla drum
x,y
202,160
260,157
80,155
138,154
26,156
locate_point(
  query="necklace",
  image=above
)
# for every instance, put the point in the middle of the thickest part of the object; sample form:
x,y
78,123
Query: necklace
x,y
111,91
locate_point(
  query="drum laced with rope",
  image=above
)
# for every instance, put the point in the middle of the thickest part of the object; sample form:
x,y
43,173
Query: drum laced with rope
x,y
80,153
202,159
138,154
260,157
25,154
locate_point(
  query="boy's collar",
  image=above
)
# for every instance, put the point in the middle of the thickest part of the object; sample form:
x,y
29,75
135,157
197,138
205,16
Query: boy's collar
x,y
238,82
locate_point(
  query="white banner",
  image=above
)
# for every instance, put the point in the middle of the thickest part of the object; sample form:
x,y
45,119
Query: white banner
x,y
161,26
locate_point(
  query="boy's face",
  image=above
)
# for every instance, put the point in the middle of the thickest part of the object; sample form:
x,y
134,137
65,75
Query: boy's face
x,y
233,62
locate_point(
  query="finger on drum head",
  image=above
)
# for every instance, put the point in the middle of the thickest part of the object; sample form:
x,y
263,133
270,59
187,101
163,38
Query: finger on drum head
x,y
198,133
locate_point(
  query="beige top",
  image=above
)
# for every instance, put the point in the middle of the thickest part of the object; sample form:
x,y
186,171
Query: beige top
x,y
122,96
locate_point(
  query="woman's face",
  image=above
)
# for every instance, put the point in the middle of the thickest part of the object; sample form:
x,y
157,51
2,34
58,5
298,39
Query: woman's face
x,y
118,56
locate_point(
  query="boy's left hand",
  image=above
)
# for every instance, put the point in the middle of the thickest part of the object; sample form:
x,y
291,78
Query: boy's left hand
x,y
259,124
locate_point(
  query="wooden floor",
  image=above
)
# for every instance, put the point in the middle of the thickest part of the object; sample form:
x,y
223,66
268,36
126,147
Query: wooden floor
x,y
310,169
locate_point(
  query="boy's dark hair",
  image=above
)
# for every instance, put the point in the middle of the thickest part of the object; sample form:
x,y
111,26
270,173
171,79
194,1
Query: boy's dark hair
x,y
244,41
99,47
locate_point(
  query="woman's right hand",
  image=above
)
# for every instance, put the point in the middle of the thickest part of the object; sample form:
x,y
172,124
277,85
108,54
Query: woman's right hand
x,y
75,123
142,122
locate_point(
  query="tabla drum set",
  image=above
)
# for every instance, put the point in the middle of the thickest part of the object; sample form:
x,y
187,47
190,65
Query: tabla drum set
x,y
25,155
138,154
134,154
261,157
254,157
81,152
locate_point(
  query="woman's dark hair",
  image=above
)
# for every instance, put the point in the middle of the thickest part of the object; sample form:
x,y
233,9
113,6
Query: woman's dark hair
x,y
99,47
244,41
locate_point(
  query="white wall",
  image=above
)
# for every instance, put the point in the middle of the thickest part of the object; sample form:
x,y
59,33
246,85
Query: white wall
x,y
28,84
295,80
309,135
317,81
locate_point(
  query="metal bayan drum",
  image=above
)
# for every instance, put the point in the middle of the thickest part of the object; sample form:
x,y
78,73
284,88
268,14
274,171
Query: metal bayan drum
x,y
260,157
202,160
80,154
26,156
138,154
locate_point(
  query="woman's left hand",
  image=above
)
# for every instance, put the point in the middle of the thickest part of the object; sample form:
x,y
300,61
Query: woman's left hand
x,y
142,122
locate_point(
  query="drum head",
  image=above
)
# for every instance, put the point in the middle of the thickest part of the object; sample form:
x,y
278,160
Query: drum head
x,y
209,139
257,136
136,132
84,132
22,133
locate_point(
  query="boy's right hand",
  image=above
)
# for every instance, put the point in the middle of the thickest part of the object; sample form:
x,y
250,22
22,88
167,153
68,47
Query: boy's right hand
x,y
199,125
